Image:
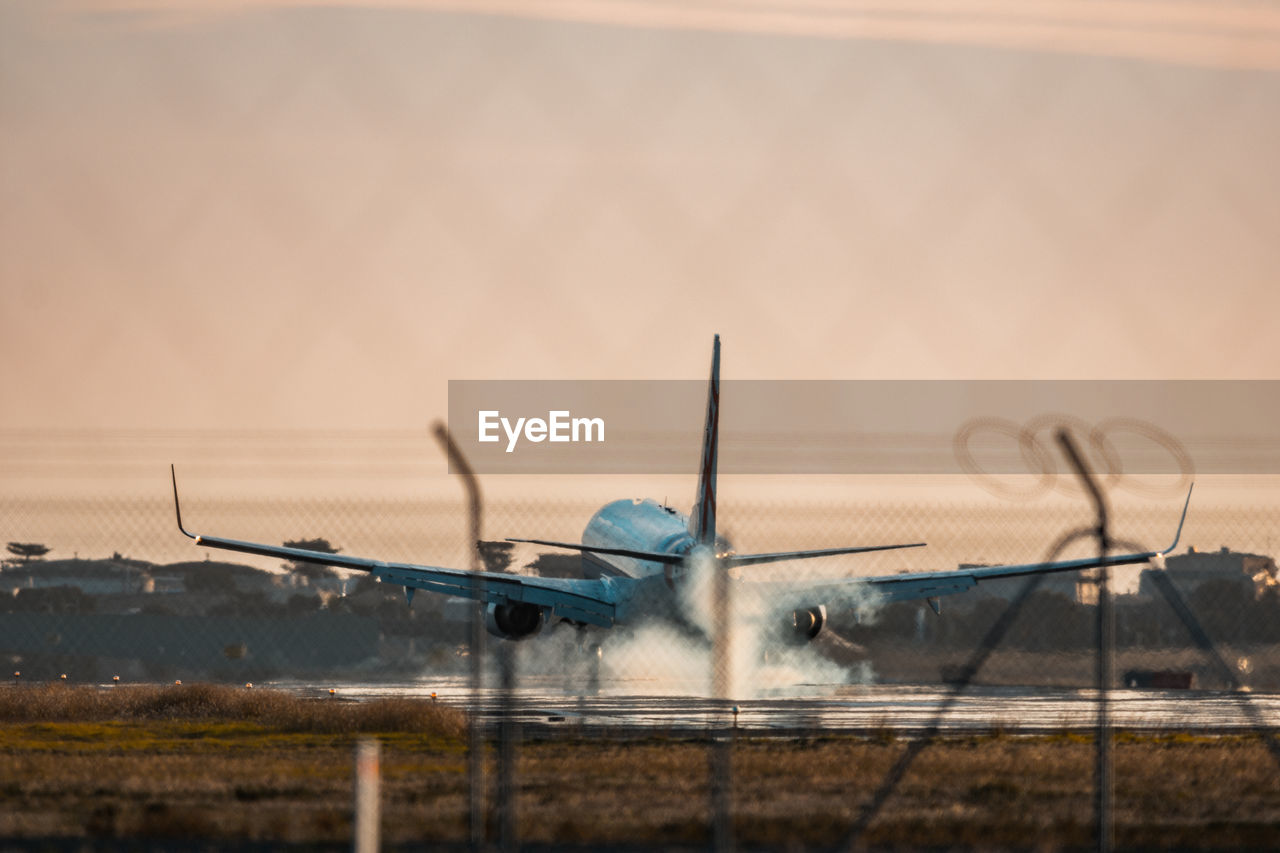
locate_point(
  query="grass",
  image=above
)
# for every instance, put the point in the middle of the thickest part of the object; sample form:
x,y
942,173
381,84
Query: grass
x,y
249,765
274,710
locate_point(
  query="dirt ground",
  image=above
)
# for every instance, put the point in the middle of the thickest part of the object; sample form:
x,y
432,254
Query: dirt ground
x,y
220,780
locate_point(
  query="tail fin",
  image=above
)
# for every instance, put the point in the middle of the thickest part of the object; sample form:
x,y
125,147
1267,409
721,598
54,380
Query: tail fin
x,y
702,521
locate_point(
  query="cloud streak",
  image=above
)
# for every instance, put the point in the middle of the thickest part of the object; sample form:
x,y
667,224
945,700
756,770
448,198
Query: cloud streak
x,y
1206,34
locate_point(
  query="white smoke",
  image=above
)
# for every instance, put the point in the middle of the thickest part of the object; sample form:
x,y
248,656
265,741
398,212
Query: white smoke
x,y
759,658
660,657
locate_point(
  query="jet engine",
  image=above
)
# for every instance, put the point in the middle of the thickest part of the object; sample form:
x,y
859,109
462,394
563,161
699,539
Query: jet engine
x,y
806,623
515,621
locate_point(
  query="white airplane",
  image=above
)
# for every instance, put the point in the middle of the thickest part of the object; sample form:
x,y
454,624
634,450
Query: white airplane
x,y
637,554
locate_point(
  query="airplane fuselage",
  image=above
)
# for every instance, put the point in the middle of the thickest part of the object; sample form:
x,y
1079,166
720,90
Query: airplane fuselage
x,y
637,525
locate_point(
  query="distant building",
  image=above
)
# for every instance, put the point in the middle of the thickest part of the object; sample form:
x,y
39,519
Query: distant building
x,y
92,577
1080,586
166,585
1193,568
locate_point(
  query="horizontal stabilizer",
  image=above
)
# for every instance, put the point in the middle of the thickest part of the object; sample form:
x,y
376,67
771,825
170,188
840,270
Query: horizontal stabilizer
x,y
733,560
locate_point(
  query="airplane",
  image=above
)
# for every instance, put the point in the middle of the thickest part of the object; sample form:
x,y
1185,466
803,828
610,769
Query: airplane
x,y
638,554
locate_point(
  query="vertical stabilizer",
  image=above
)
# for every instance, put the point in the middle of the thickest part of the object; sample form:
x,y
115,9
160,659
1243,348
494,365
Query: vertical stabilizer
x,y
702,521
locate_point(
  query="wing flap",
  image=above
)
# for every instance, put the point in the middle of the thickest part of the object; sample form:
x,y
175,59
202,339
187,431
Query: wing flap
x,y
918,588
341,561
579,600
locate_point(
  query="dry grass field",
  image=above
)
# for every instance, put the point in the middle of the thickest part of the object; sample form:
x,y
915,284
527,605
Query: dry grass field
x,y
220,764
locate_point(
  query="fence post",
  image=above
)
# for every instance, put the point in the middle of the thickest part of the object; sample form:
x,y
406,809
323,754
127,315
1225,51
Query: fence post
x,y
720,766
508,740
367,793
475,729
1103,781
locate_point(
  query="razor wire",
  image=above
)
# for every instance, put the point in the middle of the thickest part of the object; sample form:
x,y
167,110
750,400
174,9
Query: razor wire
x,y
1104,673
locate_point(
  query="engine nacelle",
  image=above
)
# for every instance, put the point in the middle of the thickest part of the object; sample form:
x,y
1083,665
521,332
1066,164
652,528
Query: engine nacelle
x,y
516,621
806,623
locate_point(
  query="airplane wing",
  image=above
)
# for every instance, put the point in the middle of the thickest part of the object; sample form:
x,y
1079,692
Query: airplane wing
x,y
855,592
591,601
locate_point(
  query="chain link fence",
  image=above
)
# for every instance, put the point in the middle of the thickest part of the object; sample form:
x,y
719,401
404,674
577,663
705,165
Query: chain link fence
x,y
189,198
128,566
1016,656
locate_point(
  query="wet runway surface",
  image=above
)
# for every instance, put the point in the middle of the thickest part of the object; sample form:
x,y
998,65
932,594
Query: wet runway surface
x,y
639,708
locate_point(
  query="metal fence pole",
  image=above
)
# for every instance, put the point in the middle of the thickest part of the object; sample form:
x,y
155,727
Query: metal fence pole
x,y
1104,793
720,765
367,810
475,728
1104,786
508,740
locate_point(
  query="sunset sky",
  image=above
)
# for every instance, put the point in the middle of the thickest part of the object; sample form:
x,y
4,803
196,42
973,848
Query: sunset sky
x,y
286,215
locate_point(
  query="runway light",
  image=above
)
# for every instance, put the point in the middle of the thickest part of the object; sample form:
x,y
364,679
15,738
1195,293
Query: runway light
x,y
433,696
17,674
248,684
64,676
177,683
333,692
116,679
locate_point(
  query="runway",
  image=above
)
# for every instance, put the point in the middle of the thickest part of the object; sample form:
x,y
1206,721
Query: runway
x,y
640,708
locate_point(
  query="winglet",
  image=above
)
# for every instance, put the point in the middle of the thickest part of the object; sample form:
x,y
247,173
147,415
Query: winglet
x,y
1178,535
176,507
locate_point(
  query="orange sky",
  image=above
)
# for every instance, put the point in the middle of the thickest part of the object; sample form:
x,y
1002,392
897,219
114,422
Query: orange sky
x,y
295,217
